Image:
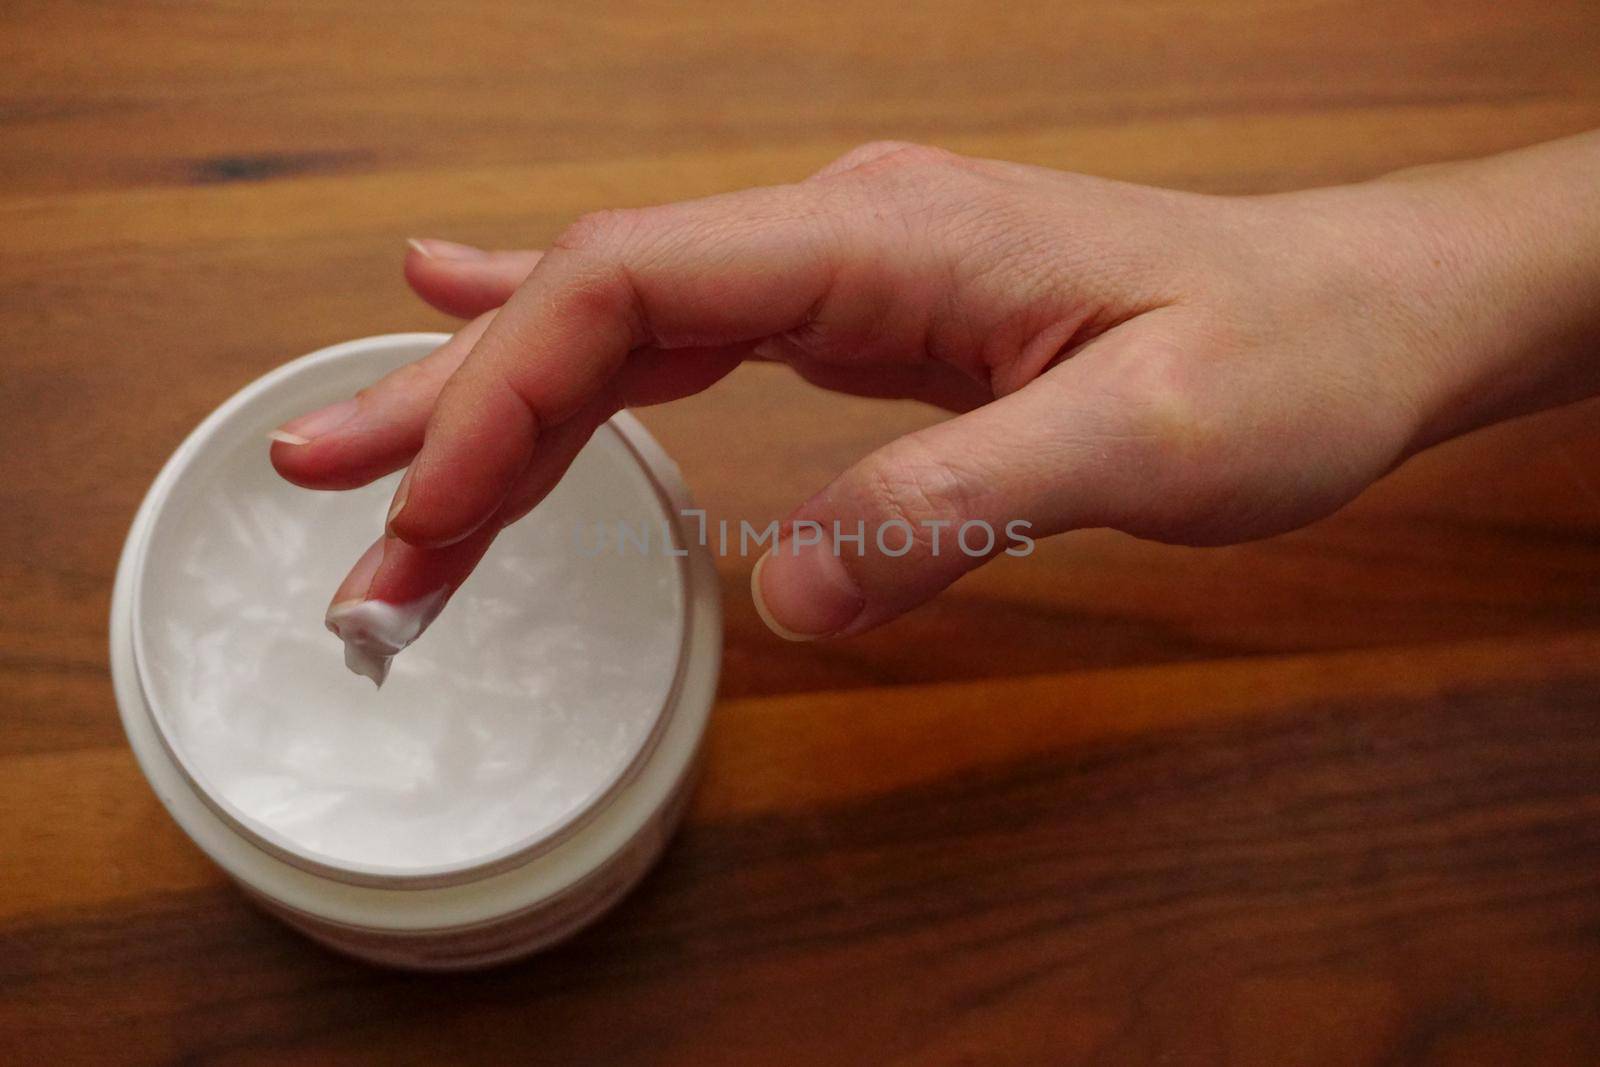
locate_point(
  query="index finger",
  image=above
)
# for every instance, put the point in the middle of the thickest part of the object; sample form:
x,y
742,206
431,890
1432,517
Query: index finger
x,y
726,270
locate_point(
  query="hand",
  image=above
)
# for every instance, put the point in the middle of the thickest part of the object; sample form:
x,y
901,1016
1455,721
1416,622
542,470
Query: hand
x,y
1188,368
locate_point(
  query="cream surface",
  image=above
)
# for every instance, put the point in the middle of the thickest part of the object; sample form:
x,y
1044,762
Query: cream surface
x,y
537,686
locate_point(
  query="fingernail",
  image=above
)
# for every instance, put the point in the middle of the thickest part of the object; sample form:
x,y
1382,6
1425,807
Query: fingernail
x,y
805,593
434,248
309,427
399,501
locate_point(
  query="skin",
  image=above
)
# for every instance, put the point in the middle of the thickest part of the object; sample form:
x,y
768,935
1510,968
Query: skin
x,y
1193,369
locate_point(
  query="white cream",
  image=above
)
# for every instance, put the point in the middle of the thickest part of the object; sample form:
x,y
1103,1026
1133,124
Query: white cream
x,y
534,693
374,631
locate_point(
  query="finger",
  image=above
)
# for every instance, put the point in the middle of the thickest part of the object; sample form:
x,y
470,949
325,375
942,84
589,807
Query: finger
x,y
393,572
655,375
926,509
721,272
358,582
396,590
408,573
651,376
393,594
557,449
462,280
376,432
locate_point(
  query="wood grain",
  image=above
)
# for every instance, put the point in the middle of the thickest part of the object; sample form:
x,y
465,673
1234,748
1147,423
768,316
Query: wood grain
x,y
1330,798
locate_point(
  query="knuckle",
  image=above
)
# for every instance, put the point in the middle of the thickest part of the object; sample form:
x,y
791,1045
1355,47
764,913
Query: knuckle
x,y
607,228
1216,463
861,154
1177,443
865,153
919,489
1166,422
879,147
902,155
888,158
1178,434
596,296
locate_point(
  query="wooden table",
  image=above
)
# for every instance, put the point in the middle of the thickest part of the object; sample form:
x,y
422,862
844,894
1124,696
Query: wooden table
x,y
1330,798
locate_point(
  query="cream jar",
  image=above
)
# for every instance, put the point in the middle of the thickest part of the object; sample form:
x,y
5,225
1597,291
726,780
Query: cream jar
x,y
527,759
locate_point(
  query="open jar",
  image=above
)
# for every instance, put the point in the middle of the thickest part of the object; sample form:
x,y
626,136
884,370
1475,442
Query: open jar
x,y
527,759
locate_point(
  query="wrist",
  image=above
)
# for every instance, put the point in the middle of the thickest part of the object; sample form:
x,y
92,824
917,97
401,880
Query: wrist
x,y
1493,275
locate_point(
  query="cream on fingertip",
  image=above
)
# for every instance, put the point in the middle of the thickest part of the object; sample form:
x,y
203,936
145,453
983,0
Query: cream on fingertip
x,y
375,631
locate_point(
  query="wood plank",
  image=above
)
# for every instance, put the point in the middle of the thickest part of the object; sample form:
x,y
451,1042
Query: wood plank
x,y
1237,865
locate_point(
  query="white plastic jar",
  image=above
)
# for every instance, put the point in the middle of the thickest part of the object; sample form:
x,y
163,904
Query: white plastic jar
x,y
529,757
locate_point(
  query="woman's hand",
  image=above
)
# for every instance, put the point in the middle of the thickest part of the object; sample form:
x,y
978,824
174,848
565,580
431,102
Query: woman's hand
x,y
1188,368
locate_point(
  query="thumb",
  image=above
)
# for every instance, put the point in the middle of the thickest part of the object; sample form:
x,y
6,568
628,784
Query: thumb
x,y
911,518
